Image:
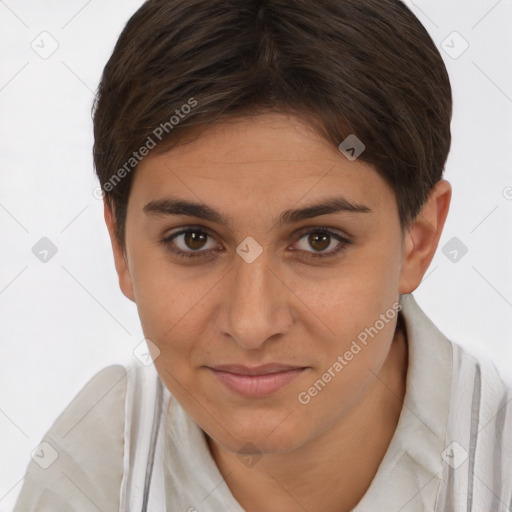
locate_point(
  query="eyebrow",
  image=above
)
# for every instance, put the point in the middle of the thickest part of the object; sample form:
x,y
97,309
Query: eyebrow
x,y
170,206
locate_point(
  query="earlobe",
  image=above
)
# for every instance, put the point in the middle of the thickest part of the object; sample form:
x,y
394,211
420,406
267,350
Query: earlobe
x,y
120,259
423,236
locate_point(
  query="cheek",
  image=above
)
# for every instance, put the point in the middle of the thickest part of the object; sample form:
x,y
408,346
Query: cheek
x,y
363,288
376,274
166,298
348,365
360,308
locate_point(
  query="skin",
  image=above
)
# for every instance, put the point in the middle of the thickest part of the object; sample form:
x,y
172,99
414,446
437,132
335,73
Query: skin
x,y
286,306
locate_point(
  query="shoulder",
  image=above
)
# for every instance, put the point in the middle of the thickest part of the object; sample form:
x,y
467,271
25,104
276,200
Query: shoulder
x,y
479,434
476,374
79,461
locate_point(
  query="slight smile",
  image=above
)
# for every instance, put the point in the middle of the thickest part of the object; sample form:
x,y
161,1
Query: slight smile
x,y
256,382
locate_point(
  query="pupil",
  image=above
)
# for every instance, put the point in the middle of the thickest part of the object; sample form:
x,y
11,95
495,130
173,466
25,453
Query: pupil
x,y
322,238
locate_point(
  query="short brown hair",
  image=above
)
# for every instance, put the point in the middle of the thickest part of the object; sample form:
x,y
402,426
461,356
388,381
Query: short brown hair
x,y
362,67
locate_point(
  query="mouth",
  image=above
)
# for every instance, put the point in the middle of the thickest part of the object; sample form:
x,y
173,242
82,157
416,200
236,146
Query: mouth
x,y
256,382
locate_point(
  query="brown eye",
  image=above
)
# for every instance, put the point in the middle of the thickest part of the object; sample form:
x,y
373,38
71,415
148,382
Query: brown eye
x,y
195,240
320,239
191,242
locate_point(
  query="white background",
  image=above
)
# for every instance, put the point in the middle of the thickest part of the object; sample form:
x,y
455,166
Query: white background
x,y
63,320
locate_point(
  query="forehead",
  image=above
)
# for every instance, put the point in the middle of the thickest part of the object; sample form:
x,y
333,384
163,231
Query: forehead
x,y
271,159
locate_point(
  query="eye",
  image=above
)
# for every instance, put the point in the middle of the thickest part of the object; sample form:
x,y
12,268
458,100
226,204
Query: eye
x,y
190,243
193,242
321,239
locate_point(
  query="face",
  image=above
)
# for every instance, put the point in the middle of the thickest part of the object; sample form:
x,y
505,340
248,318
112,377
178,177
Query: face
x,y
290,253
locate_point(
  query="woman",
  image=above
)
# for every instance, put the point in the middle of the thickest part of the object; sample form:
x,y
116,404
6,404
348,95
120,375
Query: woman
x,y
272,178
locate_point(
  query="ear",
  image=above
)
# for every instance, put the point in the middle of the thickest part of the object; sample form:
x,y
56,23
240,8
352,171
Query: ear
x,y
423,236
120,260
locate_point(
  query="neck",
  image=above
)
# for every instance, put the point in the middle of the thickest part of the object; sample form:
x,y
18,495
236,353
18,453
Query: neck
x,y
312,477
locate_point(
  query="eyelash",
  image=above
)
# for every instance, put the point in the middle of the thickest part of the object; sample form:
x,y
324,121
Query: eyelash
x,y
344,242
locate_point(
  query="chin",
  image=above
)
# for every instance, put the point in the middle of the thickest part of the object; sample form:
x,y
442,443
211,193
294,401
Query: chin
x,y
262,437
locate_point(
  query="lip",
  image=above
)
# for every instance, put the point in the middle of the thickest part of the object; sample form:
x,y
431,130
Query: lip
x,y
257,381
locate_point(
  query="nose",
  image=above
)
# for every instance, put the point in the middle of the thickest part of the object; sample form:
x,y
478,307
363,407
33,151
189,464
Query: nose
x,y
257,306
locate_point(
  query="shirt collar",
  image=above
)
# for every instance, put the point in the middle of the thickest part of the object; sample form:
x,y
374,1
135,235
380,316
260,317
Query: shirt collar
x,y
409,475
